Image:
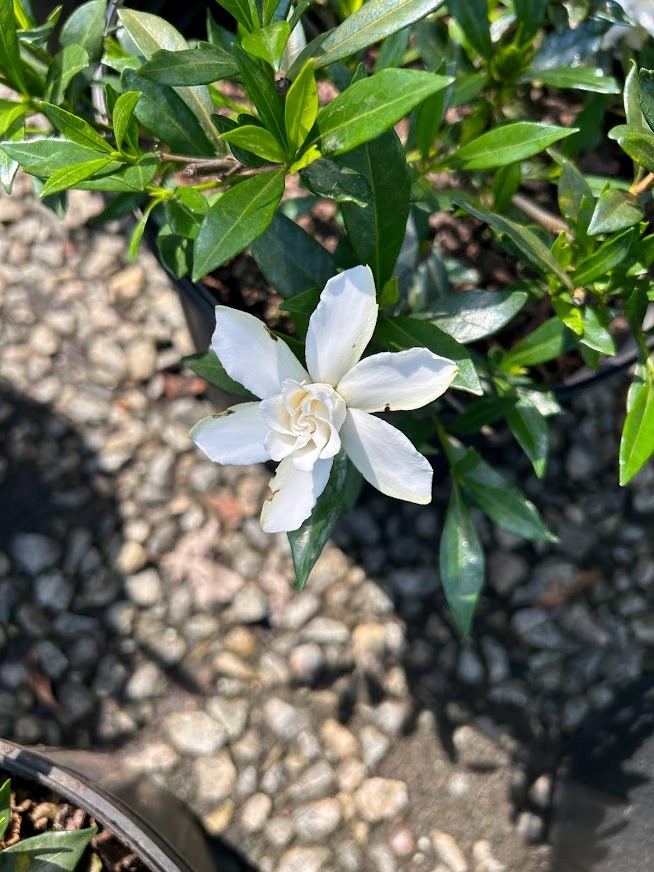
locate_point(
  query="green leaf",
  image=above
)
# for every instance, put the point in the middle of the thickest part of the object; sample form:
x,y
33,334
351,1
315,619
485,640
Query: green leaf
x,y
578,79
268,43
139,230
637,442
301,107
163,112
126,179
646,95
75,128
123,116
10,60
291,259
507,144
70,61
631,99
428,122
244,11
308,540
193,66
596,333
237,219
638,144
376,232
498,497
10,112
505,184
327,179
615,210
530,429
481,412
411,333
472,18
207,366
265,96
373,22
225,125
461,560
185,211
9,166
85,27
256,140
41,157
610,254
151,33
51,851
5,807
69,177
472,315
573,187
527,242
371,106
547,341
530,14
393,50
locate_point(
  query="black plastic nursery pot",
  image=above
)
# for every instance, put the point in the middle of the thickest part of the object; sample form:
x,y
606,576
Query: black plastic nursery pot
x,y
146,818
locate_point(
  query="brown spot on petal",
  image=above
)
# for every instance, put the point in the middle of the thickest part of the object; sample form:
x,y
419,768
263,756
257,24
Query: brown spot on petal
x,y
271,334
271,496
387,407
224,414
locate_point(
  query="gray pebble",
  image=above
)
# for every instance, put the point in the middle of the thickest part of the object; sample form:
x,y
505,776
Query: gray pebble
x,y
194,733
34,552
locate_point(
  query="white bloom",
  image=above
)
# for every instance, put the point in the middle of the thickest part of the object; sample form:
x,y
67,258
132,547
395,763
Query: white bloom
x,y
306,415
641,13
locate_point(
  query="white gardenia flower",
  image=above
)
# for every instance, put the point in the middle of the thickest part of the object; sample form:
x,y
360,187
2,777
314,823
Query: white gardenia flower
x,y
306,415
641,13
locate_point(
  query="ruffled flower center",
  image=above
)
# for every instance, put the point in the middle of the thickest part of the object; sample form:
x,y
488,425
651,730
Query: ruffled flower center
x,y
304,422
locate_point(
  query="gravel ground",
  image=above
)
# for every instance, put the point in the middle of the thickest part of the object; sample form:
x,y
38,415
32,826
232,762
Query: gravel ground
x,y
142,610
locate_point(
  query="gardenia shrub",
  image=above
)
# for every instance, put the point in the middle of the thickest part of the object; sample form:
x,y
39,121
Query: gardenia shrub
x,y
487,113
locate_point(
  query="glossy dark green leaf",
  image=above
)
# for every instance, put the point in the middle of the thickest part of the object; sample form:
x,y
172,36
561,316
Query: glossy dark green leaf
x,y
530,14
85,26
615,210
480,413
428,122
75,128
507,144
244,11
308,541
371,106
301,107
124,123
194,66
373,22
472,18
579,79
461,560
224,125
239,217
207,366
404,333
506,183
52,851
185,211
70,61
531,431
646,95
499,498
596,333
124,178
265,96
256,140
69,177
10,59
547,341
174,252
40,157
638,144
472,315
573,187
376,232
327,179
637,442
610,254
163,112
268,43
393,50
291,259
524,239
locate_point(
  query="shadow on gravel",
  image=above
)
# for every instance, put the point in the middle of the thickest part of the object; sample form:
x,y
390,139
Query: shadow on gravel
x,y
63,665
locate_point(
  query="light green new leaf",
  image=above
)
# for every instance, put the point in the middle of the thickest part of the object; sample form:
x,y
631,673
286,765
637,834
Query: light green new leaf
x,y
401,333
376,232
10,59
9,166
244,11
308,540
268,43
637,442
192,66
506,145
122,117
123,178
473,315
256,140
529,244
70,61
590,79
596,333
461,559
371,106
63,179
75,128
85,27
615,210
372,23
472,18
237,219
10,112
207,366
499,498
301,107
547,341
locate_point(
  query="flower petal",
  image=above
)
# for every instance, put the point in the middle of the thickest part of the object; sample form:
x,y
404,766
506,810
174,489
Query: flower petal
x,y
236,436
386,458
294,494
401,380
251,355
342,324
